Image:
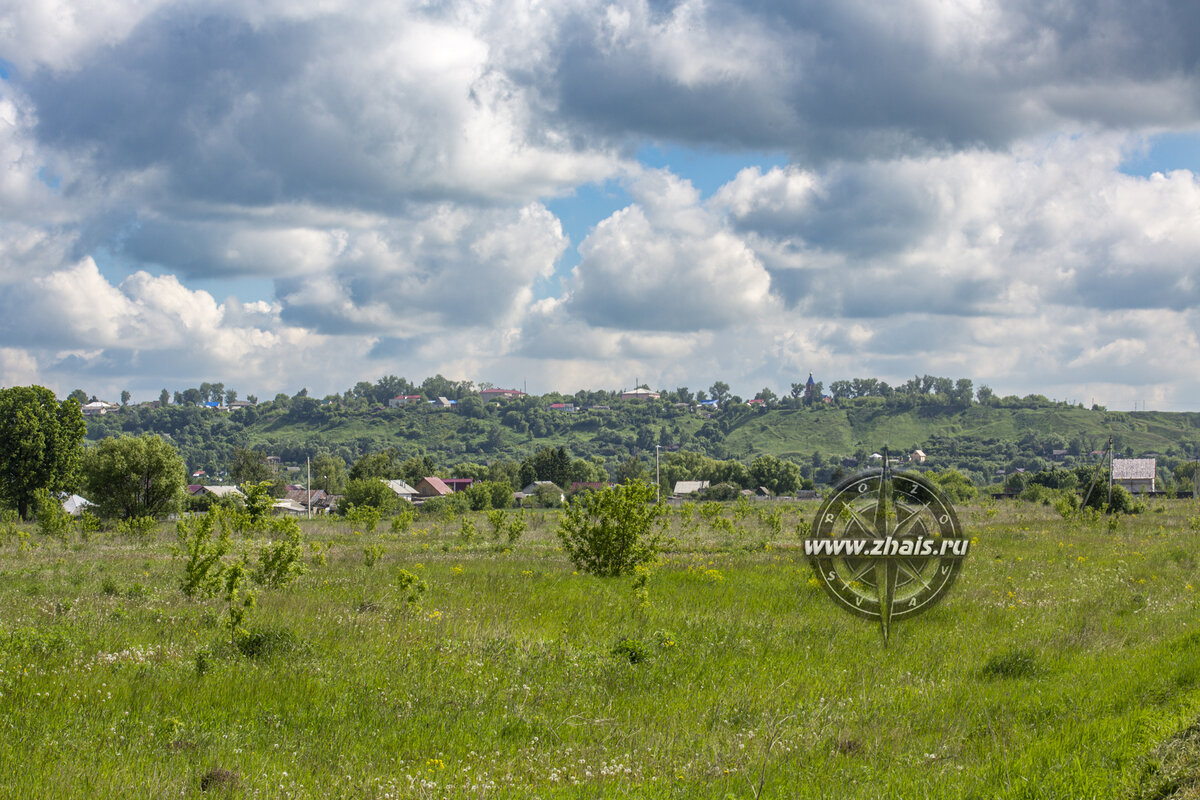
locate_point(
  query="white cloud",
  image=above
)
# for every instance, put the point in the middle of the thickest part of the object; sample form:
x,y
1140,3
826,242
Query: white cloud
x,y
954,202
666,264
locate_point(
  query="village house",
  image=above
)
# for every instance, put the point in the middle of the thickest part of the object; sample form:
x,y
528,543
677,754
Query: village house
x,y
404,399
402,489
432,487
98,408
1135,474
500,394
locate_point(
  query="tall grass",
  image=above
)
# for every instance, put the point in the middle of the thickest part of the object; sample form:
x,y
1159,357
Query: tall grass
x,y
1062,664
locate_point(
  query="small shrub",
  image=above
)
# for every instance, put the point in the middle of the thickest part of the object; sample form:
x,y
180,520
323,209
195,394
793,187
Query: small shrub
x,y
631,650
372,553
89,525
610,532
317,553
1066,504
516,527
140,528
279,562
498,519
363,518
238,603
446,508
411,587
1013,664
403,519
267,642
52,521
203,663
203,569
467,530
259,503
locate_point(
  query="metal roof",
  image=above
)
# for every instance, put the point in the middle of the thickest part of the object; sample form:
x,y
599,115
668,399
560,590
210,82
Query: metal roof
x,y
1133,469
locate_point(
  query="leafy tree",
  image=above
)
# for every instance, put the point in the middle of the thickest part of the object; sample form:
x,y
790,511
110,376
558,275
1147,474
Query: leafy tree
x,y
250,466
79,396
164,398
610,532
329,473
417,467
40,444
963,391
383,464
954,484
631,470
125,395
134,476
780,477
766,395
472,407
230,396
258,502
505,471
719,392
369,493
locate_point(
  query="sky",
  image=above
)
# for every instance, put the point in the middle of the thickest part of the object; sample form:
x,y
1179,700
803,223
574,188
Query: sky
x,y
297,194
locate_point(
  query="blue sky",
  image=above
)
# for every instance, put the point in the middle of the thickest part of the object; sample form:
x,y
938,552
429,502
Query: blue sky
x,y
578,194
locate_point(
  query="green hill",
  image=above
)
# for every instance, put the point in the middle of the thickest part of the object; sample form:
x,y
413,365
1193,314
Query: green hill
x,y
981,439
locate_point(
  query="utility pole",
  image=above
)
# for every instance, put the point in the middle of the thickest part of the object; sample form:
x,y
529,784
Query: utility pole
x,y
1110,465
657,479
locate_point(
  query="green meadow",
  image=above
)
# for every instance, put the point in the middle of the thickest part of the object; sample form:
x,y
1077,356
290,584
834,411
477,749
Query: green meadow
x,y
1065,663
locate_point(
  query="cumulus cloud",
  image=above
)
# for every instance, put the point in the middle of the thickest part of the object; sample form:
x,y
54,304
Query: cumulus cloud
x,y
976,232
447,267
953,201
665,263
824,80
360,107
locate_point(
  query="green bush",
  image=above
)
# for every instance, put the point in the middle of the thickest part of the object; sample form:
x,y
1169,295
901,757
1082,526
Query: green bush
x,y
203,570
631,650
1013,664
612,531
362,518
279,561
51,519
954,485
448,507
1122,500
267,642
411,587
719,492
369,493
137,527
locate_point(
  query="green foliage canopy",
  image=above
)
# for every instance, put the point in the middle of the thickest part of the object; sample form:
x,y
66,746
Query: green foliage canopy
x,y
40,444
612,531
134,476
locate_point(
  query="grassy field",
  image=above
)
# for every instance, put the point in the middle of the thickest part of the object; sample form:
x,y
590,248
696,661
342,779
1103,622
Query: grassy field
x,y
1064,664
